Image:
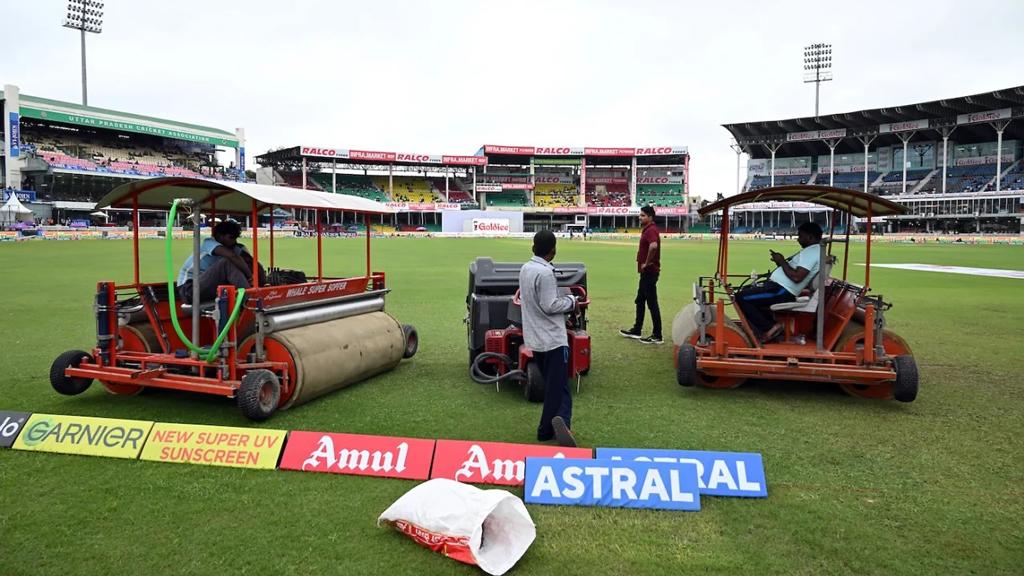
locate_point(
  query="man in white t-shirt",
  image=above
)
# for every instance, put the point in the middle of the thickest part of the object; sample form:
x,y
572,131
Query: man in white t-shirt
x,y
784,285
222,261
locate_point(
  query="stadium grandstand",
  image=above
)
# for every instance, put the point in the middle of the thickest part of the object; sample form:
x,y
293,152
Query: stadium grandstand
x,y
549,185
956,163
65,156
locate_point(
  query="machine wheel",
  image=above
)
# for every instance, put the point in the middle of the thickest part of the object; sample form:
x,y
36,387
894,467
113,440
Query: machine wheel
x,y
259,394
734,336
686,365
60,382
893,345
905,387
412,341
533,389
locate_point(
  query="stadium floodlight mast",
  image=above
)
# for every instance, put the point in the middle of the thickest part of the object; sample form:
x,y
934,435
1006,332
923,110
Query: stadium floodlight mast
x,y
84,16
817,68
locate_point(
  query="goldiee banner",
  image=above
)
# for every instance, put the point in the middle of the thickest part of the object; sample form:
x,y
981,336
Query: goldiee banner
x,y
214,445
989,116
492,462
902,126
95,122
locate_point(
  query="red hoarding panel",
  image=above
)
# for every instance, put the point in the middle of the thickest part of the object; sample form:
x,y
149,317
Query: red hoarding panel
x,y
368,155
609,151
493,462
383,456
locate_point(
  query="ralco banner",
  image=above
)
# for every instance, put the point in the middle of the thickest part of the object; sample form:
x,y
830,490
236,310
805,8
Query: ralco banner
x,y
492,462
385,456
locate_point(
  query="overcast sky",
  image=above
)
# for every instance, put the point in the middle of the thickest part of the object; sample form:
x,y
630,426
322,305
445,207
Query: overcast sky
x,y
447,77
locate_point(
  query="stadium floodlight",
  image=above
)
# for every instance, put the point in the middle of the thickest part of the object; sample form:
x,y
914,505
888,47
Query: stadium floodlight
x,y
817,68
84,16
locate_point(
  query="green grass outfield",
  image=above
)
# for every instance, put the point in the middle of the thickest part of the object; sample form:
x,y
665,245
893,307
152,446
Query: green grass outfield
x,y
855,486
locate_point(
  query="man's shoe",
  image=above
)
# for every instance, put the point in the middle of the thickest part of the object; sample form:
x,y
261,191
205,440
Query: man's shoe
x,y
563,435
772,334
631,333
652,339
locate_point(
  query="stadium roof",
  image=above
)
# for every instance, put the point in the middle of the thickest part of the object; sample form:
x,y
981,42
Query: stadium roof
x,y
296,154
488,154
45,109
231,197
647,156
852,201
968,117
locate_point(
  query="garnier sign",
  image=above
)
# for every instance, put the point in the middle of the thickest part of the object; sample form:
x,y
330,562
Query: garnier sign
x,y
83,120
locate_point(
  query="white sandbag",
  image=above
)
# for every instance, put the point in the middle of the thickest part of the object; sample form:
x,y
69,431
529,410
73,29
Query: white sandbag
x,y
489,528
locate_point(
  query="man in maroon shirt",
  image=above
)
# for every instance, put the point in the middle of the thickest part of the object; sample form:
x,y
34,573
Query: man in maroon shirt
x,y
648,264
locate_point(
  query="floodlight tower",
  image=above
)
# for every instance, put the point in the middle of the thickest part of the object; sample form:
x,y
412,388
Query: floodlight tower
x,y
817,68
84,16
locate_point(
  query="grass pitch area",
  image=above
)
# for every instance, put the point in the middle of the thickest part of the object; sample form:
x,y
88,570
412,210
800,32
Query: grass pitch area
x,y
855,486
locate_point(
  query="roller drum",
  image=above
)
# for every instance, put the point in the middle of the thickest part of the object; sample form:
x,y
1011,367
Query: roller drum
x,y
304,317
331,355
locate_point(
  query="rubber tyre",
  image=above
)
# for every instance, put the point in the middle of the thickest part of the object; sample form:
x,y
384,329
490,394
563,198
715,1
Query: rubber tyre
x,y
686,365
893,344
533,389
63,384
259,394
905,387
412,341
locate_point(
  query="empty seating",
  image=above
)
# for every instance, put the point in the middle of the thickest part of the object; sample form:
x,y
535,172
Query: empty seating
x,y
659,195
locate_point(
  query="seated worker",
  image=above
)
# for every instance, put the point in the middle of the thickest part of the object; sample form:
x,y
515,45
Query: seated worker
x,y
222,262
784,285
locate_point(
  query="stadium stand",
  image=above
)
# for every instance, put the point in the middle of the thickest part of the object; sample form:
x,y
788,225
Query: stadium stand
x,y
610,194
970,178
848,180
510,198
1013,179
659,195
408,189
759,182
555,195
105,152
351,184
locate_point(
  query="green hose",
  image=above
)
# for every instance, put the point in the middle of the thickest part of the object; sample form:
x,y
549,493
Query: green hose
x,y
211,355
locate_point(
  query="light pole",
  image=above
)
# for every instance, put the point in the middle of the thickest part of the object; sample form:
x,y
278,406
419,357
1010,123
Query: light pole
x,y
817,68
84,16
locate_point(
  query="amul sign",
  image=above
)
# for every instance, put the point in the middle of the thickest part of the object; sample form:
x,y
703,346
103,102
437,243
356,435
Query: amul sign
x,y
492,462
384,456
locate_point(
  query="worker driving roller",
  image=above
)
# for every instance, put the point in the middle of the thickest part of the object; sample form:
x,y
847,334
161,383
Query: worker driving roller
x,y
223,261
783,285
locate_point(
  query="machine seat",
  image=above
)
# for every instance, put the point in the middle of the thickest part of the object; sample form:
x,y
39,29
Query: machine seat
x,y
801,304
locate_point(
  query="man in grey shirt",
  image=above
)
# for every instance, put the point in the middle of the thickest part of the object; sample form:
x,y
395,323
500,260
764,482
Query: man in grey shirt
x,y
544,332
